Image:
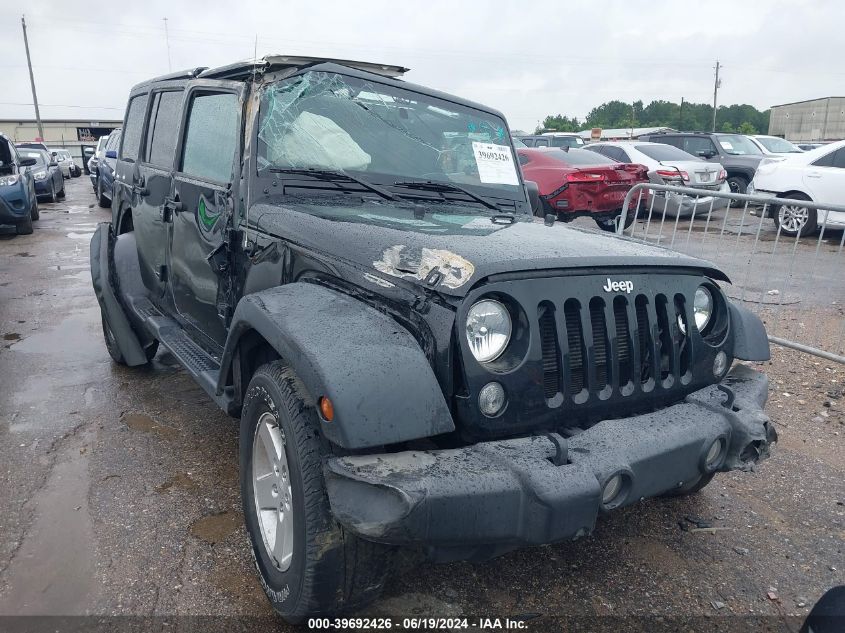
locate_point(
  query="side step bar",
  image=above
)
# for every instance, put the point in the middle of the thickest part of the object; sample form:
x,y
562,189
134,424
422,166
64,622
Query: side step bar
x,y
204,368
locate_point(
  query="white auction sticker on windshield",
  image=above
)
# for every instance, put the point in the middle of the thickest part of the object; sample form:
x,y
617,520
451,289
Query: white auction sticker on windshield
x,y
726,145
495,163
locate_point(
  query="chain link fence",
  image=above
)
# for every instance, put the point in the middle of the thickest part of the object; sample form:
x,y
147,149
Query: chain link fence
x,y
784,256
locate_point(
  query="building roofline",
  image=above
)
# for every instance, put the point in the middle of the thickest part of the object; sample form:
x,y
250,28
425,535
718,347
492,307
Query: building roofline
x,y
780,105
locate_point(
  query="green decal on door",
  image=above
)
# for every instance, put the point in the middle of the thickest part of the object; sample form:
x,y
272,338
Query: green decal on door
x,y
207,219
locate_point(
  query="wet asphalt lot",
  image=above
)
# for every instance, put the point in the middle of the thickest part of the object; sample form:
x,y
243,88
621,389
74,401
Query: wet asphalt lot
x,y
118,488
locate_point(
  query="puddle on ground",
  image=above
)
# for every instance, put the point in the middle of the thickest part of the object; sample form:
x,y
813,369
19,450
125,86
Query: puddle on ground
x,y
12,336
52,573
23,254
73,338
181,480
78,209
144,423
80,236
215,527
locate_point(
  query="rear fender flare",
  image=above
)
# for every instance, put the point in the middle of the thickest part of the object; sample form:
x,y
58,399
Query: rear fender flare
x,y
102,245
379,381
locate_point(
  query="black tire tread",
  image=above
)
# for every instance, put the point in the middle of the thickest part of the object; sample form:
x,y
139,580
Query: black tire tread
x,y
330,584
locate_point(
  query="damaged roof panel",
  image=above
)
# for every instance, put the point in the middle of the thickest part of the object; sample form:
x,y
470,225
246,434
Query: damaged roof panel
x,y
278,62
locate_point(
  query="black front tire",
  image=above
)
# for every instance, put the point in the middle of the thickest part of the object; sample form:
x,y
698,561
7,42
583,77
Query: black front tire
x,y
24,227
330,571
34,213
790,228
609,224
52,197
61,193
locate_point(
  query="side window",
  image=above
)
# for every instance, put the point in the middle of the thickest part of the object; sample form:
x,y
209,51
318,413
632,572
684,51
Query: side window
x,y
695,144
541,142
528,141
623,156
211,137
615,153
832,159
163,129
134,127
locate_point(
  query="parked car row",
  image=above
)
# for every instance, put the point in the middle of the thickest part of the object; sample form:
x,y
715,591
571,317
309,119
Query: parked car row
x,y
571,186
101,167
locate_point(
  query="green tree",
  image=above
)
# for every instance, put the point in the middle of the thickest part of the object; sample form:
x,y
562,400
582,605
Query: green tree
x,y
746,128
660,113
727,127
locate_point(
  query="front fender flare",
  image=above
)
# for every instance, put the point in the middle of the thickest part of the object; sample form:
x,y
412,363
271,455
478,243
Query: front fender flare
x,y
750,339
381,385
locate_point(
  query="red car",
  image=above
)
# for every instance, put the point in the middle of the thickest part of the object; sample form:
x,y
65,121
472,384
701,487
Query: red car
x,y
578,182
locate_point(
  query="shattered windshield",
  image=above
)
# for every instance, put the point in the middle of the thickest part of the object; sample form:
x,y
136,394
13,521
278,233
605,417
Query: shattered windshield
x,y
383,133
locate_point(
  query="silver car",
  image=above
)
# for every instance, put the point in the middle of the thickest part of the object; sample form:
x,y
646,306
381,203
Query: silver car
x,y
65,161
668,165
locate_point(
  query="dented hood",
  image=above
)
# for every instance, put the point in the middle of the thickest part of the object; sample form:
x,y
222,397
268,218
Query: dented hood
x,y
452,252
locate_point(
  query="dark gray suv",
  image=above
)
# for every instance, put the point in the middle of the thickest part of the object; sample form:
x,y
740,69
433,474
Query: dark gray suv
x,y
735,152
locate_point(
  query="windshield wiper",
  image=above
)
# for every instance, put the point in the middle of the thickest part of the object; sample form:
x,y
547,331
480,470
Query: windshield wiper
x,y
430,185
335,176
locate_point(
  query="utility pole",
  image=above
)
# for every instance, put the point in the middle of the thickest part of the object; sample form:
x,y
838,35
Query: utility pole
x,y
681,117
715,94
32,80
167,41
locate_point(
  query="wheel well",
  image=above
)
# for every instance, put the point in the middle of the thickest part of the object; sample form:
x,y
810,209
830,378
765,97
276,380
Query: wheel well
x,y
739,174
253,351
126,224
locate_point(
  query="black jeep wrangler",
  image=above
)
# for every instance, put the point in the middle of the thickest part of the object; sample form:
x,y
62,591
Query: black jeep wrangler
x,y
349,264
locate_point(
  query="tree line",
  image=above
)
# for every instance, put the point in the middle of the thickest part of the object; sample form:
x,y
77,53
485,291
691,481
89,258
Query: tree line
x,y
744,118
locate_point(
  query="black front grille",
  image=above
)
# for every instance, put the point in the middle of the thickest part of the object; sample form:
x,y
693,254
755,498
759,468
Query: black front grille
x,y
622,344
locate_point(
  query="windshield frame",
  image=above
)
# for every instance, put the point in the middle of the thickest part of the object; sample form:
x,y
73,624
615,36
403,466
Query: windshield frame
x,y
263,182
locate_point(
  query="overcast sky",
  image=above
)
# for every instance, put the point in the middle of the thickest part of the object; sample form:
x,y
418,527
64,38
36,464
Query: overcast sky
x,y
529,58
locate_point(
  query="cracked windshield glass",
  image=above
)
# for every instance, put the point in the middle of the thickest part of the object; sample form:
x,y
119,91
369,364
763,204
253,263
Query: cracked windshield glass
x,y
384,135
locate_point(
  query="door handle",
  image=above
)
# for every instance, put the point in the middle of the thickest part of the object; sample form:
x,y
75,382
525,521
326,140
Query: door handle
x,y
814,174
174,204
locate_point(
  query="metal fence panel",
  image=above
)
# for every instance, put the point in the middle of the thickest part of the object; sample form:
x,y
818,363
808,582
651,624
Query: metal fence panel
x,y
793,282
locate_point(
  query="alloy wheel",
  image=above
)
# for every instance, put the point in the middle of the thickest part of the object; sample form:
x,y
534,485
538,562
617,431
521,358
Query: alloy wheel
x,y
792,218
272,490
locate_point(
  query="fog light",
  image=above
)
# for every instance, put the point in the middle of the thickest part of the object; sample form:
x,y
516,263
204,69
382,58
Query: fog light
x,y
720,364
491,399
611,490
714,454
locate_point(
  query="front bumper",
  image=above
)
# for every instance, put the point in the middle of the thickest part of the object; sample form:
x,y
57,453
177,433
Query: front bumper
x,y
14,205
505,494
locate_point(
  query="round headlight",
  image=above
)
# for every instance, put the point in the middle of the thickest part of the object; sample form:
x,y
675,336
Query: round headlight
x,y
488,330
702,307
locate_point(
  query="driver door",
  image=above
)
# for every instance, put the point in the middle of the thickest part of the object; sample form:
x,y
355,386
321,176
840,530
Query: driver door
x,y
202,205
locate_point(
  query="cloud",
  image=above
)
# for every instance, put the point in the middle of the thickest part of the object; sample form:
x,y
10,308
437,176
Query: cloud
x,y
527,59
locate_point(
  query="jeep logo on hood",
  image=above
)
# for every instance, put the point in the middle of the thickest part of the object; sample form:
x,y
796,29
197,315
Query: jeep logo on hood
x,y
618,286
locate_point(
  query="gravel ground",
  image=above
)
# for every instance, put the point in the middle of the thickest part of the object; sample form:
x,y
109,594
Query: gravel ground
x,y
119,489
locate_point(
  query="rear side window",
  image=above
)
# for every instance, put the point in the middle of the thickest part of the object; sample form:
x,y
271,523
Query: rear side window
x,y
164,128
832,159
668,140
134,127
541,142
211,137
664,152
528,141
695,144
